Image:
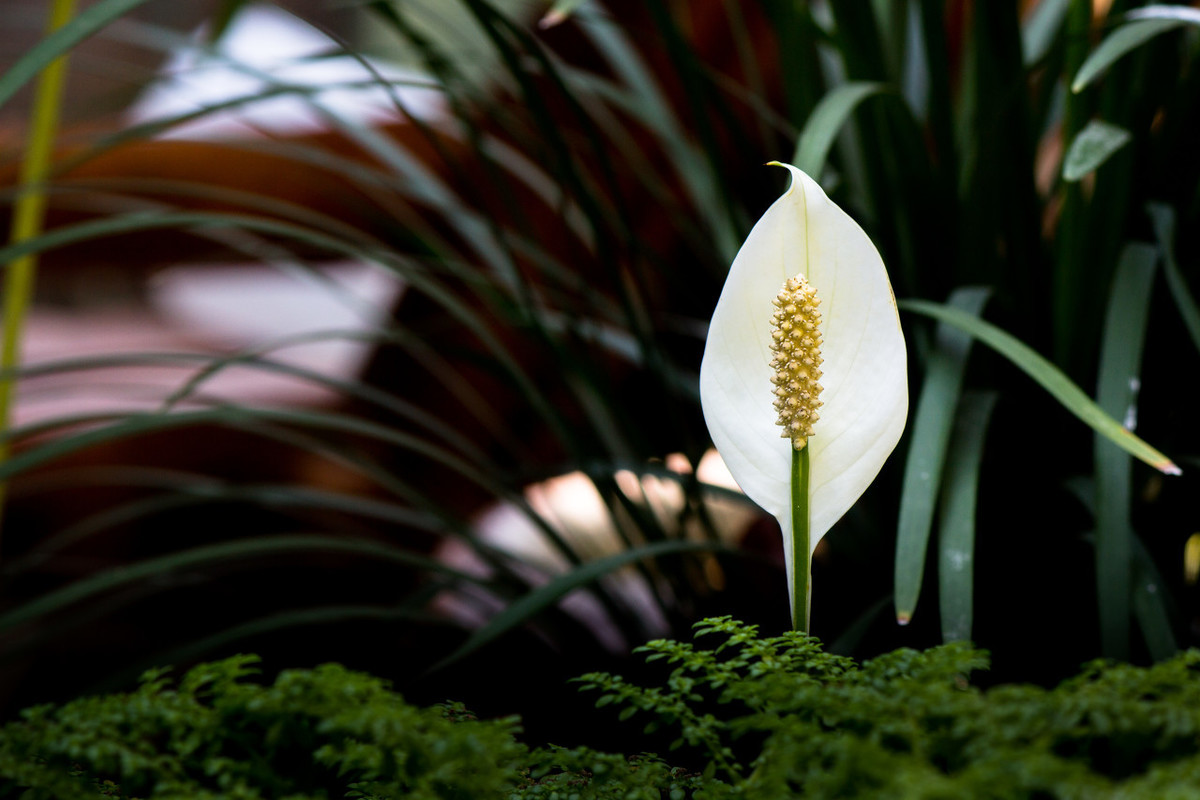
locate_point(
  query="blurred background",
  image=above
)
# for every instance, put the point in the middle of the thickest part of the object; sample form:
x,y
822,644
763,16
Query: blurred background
x,y
370,332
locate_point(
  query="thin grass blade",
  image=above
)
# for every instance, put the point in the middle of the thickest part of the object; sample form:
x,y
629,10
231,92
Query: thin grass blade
x,y
1152,605
1163,218
159,570
285,497
86,23
527,607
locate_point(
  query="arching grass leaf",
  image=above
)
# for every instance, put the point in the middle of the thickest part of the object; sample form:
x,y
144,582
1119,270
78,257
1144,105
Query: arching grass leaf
x,y
1050,377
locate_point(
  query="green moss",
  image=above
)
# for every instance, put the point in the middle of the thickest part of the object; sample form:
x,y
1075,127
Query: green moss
x,y
766,717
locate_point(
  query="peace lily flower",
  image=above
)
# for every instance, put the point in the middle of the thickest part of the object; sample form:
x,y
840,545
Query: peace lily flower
x,y
806,321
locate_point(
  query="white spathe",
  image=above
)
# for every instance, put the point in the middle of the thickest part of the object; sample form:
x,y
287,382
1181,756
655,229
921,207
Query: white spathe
x,y
865,383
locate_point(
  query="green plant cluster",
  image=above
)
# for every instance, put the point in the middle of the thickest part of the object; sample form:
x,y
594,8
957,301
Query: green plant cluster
x,y
778,717
324,732
770,717
327,732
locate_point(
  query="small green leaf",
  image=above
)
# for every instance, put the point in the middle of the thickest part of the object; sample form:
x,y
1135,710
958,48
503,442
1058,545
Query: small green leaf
x,y
1092,147
1120,42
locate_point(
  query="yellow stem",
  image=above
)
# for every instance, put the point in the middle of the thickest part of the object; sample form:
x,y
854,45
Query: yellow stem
x,y
28,214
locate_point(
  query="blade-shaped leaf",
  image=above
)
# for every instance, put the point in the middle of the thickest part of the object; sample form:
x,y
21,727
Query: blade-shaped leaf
x,y
524,609
1163,218
1118,43
1116,392
1152,606
156,569
1041,28
932,423
88,21
956,531
1050,377
826,122
1092,147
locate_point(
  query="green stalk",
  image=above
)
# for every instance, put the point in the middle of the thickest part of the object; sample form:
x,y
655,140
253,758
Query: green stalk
x,y
28,215
1071,239
801,549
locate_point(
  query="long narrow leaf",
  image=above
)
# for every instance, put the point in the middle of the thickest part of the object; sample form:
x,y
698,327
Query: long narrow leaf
x,y
1120,360
927,452
284,497
158,569
826,121
1049,377
956,531
1163,218
84,25
1118,43
1041,28
1151,605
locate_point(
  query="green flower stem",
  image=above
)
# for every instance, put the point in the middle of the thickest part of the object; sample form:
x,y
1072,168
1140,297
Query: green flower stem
x,y
28,214
801,550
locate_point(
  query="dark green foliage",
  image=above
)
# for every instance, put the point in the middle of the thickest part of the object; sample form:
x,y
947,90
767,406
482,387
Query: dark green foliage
x,y
325,732
763,717
909,724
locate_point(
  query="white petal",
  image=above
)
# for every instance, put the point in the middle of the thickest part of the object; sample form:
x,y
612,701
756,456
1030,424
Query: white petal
x,y
865,384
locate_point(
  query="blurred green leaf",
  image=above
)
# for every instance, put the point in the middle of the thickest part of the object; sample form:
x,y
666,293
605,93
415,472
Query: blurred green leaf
x,y
956,531
1092,147
1124,39
560,12
1041,28
1182,13
1050,377
86,23
1163,219
931,428
826,122
1152,606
